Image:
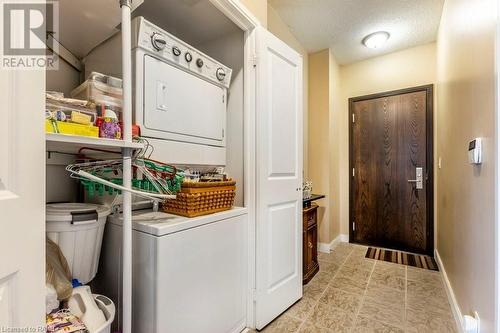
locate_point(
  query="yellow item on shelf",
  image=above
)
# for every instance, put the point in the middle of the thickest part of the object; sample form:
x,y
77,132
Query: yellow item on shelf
x,y
81,118
71,128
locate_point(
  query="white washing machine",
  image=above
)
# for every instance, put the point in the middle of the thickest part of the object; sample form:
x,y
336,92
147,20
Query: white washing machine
x,y
188,275
180,94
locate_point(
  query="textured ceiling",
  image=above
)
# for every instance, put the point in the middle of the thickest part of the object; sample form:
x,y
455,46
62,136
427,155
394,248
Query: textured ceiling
x,y
342,24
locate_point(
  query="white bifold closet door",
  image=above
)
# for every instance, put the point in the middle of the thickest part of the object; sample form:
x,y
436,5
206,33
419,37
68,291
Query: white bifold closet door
x,y
279,178
22,197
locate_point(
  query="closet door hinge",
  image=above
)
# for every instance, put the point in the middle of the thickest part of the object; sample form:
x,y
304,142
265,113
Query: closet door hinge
x,y
254,295
353,118
353,226
255,60
353,172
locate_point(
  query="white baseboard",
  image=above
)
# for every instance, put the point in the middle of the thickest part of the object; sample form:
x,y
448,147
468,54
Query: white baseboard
x,y
327,247
457,314
344,238
324,247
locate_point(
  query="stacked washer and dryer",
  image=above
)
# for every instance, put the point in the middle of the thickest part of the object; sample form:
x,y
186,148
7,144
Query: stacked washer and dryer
x,y
189,274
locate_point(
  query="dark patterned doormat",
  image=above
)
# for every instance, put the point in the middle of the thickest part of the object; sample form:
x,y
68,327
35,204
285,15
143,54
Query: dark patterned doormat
x,y
404,258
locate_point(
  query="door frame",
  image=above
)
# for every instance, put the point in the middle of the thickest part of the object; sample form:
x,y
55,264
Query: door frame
x,y
429,114
249,24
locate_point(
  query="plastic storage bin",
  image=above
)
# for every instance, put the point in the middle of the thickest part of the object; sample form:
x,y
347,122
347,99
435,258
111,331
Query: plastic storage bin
x,y
108,79
71,128
78,229
99,92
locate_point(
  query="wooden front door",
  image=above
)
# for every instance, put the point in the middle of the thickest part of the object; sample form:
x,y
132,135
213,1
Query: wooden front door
x,y
390,147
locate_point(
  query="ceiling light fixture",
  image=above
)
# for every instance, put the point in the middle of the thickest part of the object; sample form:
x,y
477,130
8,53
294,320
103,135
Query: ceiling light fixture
x,y
376,39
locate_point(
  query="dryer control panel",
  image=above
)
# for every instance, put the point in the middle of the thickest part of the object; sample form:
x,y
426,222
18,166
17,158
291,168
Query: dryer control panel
x,y
170,48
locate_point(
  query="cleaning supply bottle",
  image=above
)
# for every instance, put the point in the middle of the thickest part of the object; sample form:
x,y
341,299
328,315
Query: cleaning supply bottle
x,y
83,305
109,127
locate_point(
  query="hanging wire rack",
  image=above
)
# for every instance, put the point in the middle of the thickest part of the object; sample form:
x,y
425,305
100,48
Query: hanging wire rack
x,y
150,179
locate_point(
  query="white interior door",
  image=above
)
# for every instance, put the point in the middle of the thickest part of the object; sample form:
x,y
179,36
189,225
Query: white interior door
x,y
22,200
279,178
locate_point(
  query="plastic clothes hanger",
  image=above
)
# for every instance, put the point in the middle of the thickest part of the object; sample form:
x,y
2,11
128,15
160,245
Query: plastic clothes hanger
x,y
152,179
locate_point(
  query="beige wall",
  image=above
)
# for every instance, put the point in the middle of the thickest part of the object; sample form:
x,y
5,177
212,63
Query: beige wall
x,y
319,149
408,68
279,28
466,193
258,8
324,93
335,188
329,163
464,109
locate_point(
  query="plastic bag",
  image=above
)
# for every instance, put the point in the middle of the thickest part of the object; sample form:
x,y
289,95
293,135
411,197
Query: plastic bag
x,y
57,271
51,301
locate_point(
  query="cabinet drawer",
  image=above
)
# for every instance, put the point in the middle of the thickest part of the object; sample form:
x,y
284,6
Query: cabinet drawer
x,y
310,216
312,219
310,247
310,251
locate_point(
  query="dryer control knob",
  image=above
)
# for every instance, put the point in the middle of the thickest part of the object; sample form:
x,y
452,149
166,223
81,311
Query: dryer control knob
x,y
188,57
176,51
199,63
158,41
221,74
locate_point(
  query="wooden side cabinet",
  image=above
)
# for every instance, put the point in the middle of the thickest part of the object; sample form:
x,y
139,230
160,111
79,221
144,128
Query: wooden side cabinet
x,y
310,242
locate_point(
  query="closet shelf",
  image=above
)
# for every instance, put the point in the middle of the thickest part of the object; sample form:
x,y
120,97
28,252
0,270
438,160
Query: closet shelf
x,y
72,143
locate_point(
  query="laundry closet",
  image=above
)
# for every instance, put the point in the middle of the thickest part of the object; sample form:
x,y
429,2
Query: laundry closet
x,y
204,93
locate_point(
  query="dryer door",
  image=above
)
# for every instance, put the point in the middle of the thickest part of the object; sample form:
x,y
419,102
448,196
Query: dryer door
x,y
181,106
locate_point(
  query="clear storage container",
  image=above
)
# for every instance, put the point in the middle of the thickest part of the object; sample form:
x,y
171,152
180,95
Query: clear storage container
x,y
101,89
109,80
78,229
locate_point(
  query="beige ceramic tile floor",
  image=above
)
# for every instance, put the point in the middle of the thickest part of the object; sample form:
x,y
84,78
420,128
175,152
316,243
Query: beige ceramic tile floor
x,y
353,294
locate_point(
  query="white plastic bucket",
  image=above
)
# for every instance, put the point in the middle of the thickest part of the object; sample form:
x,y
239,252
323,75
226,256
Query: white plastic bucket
x,y
109,310
78,229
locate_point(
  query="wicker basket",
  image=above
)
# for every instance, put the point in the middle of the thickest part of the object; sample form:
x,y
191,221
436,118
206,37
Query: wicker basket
x,y
196,199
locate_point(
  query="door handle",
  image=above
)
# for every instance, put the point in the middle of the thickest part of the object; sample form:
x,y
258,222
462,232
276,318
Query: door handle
x,y
419,181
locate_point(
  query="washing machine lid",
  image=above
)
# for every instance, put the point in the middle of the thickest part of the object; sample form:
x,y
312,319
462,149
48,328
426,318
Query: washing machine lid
x,y
64,212
161,224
